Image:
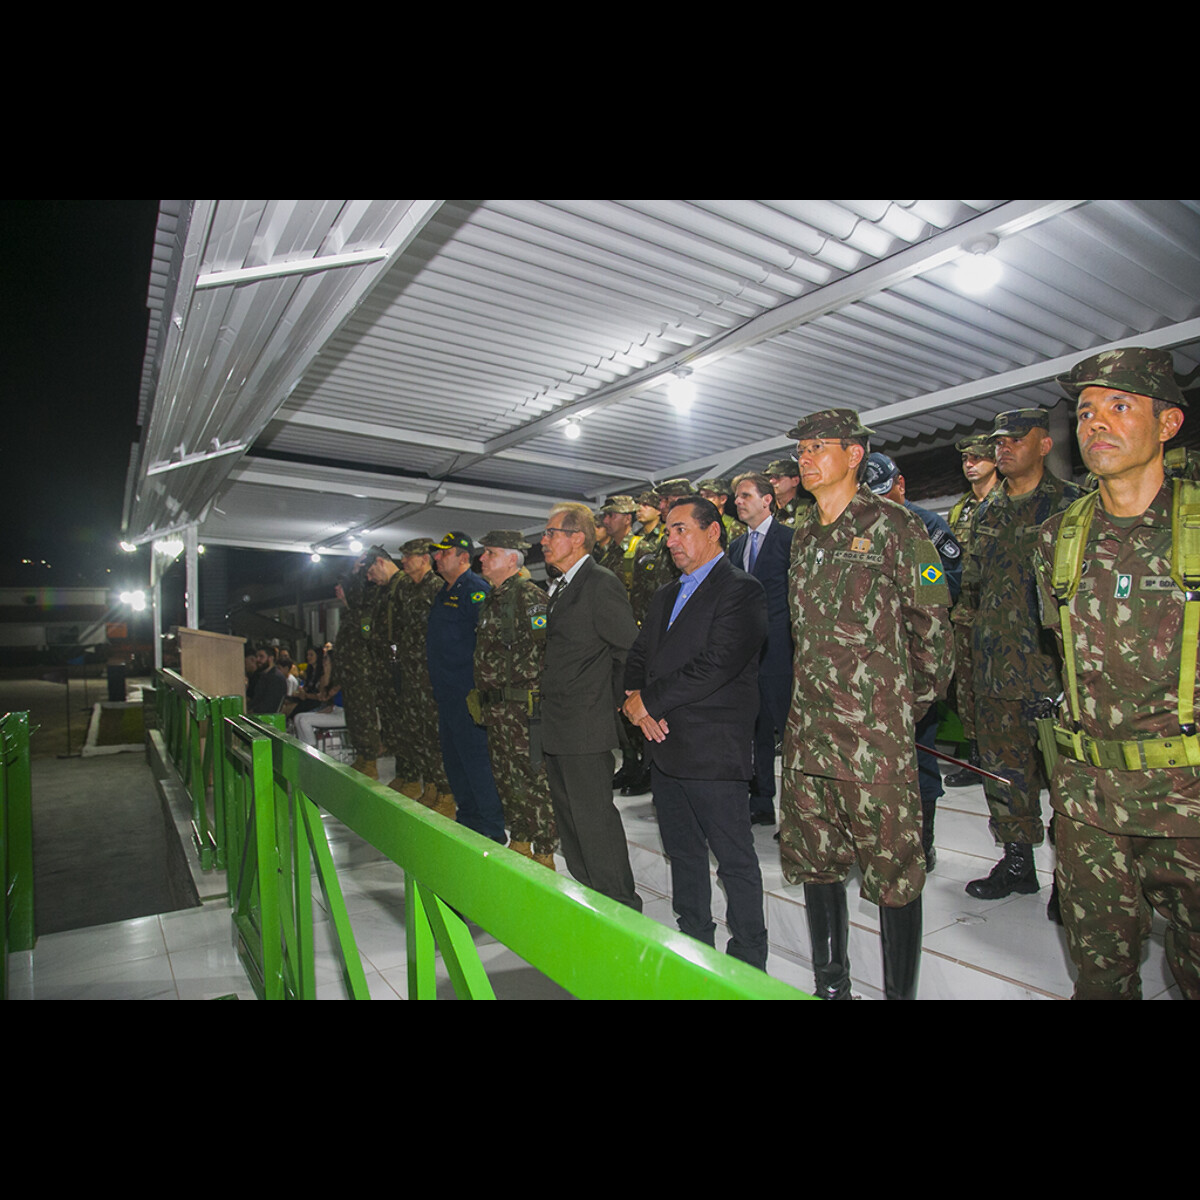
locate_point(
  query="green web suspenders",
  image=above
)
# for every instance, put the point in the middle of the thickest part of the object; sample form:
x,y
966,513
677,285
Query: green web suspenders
x,y
1180,751
627,560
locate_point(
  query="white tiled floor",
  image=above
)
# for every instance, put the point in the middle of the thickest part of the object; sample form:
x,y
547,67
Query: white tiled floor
x,y
972,949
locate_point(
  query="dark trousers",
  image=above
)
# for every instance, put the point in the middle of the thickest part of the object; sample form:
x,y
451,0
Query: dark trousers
x,y
589,826
469,770
695,815
774,698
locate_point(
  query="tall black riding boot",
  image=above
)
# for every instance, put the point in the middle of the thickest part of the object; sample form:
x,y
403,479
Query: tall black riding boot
x,y
900,936
962,777
829,932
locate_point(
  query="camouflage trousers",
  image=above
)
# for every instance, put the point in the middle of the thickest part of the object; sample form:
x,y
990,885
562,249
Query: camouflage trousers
x,y
387,681
523,787
1107,885
362,714
826,826
1007,740
964,691
418,739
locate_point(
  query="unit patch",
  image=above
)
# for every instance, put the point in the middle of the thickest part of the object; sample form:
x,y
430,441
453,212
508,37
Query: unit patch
x,y
860,545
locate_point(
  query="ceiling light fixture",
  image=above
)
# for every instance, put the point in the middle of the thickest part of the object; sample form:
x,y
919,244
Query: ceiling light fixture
x,y
681,391
978,270
573,430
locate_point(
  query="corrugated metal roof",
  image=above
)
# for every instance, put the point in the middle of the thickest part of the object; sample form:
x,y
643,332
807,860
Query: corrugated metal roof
x,y
441,345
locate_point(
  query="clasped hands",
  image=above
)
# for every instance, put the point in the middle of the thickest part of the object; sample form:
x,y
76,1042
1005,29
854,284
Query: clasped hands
x,y
635,710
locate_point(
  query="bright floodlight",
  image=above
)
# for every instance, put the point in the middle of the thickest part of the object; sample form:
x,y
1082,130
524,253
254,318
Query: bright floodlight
x,y
681,391
572,430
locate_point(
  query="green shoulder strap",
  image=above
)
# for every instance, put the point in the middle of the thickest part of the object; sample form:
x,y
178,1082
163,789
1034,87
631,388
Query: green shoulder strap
x,y
1064,583
627,560
1185,571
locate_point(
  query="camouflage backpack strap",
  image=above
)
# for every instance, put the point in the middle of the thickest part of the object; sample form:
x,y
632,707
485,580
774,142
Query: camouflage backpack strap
x,y
1185,571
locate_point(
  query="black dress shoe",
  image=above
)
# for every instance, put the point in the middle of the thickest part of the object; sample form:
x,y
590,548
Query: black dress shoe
x,y
639,786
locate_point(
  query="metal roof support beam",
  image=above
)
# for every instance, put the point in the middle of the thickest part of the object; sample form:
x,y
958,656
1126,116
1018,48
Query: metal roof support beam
x,y
301,266
1007,219
964,393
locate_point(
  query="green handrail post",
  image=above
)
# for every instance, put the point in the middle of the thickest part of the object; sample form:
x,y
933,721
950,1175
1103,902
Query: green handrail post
x,y
589,944
16,840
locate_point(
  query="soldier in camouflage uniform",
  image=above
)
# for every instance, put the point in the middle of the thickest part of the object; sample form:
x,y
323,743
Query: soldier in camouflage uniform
x,y
386,676
667,492
868,602
790,501
979,466
356,667
510,647
418,709
719,491
1126,785
1012,661
632,558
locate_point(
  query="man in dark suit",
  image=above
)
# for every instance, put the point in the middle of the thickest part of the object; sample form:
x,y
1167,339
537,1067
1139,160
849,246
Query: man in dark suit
x,y
692,686
590,627
763,551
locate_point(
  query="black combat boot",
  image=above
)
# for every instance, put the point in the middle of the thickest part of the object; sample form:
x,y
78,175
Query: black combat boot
x,y
1013,873
829,932
962,777
928,812
900,937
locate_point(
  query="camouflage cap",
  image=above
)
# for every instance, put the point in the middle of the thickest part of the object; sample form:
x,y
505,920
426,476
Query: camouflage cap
x,y
881,473
421,545
505,539
371,553
722,487
979,444
1136,369
648,498
455,540
830,423
1017,422
675,487
619,504
783,466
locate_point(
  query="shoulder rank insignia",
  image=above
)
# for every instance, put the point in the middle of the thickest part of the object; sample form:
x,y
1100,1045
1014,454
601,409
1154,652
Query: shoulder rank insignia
x,y
860,545
931,573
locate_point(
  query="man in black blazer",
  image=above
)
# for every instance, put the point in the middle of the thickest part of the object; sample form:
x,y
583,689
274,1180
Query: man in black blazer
x,y
589,629
764,551
692,684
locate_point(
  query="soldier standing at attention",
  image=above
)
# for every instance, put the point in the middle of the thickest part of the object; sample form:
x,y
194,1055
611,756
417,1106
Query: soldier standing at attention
x,y
1120,579
784,475
868,603
720,491
418,709
1012,664
510,649
356,663
386,675
979,466
450,642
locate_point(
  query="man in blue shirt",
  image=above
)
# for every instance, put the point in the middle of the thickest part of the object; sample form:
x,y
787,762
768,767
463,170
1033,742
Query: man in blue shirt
x,y
450,642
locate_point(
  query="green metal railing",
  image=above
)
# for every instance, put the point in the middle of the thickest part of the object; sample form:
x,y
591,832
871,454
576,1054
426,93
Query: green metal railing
x,y
16,839
275,792
187,719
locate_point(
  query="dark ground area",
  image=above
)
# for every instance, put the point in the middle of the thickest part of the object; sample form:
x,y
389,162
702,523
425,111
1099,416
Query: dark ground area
x,y
104,848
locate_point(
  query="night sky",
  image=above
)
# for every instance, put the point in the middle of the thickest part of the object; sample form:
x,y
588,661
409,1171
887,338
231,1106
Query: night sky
x,y
75,274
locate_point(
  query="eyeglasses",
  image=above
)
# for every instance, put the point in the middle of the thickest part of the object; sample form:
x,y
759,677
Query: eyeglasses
x,y
812,449
550,531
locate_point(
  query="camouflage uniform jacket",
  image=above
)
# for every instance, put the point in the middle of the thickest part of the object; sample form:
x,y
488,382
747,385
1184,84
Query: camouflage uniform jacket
x,y
510,641
1011,658
868,602
357,630
1127,627
959,518
638,570
792,510
410,620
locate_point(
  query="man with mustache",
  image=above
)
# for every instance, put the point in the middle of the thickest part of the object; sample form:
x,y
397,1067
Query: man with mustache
x,y
1013,664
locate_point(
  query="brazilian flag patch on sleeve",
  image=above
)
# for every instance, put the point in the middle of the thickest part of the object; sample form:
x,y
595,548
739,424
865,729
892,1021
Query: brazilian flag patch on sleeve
x,y
477,597
538,620
931,573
